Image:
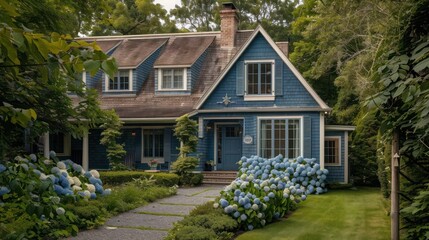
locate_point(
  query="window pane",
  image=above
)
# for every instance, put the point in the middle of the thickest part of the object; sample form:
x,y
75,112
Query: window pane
x,y
56,142
294,149
279,137
153,143
266,139
167,78
266,78
178,79
332,151
252,79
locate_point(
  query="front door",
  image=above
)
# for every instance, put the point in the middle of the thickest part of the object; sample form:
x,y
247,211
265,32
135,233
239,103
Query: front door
x,y
228,146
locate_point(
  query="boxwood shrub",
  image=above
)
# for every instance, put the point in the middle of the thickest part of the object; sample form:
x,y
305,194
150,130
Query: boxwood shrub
x,y
120,177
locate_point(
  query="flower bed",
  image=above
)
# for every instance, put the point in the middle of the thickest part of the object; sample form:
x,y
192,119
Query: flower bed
x,y
266,188
34,192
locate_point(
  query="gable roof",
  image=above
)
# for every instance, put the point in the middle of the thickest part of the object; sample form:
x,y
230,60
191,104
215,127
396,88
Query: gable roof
x,y
131,52
183,51
259,29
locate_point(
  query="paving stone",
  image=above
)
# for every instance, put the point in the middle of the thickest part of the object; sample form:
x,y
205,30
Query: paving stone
x,y
130,219
104,233
178,199
162,208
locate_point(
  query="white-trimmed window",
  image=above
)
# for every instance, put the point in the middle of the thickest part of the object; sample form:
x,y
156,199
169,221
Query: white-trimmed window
x,y
122,81
259,80
332,151
280,136
172,79
153,144
60,143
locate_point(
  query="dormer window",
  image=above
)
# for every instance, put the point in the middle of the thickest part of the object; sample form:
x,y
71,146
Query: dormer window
x,y
172,79
122,81
259,80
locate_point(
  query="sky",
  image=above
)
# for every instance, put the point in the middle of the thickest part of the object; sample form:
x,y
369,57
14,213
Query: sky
x,y
168,4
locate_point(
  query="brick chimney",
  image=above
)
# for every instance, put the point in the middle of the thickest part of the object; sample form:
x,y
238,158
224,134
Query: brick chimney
x,y
228,25
284,46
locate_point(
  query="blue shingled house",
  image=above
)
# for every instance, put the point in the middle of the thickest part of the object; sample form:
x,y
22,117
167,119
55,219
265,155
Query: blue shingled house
x,y
239,85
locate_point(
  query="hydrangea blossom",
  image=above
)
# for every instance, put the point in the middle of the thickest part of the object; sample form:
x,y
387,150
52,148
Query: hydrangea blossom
x,y
263,185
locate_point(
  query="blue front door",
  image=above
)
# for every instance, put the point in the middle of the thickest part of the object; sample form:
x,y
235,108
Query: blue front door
x,y
229,142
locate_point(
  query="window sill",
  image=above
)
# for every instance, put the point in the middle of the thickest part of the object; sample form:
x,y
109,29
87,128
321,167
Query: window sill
x,y
259,98
332,165
172,90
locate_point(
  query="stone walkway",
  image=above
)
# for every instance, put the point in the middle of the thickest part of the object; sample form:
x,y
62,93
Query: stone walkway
x,y
152,222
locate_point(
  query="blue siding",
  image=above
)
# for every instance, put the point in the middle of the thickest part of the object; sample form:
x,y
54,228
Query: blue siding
x,y
294,93
195,70
144,69
336,173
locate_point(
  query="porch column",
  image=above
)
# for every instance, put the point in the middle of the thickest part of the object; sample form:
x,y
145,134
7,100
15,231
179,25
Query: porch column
x,y
85,150
46,145
346,157
322,140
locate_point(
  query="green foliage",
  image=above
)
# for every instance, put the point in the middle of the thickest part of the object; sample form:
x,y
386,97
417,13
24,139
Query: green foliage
x,y
363,161
204,222
121,177
417,216
112,131
186,131
38,72
131,17
184,165
130,196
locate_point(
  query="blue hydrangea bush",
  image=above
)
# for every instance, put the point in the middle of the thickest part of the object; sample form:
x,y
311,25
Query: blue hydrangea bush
x,y
35,190
265,188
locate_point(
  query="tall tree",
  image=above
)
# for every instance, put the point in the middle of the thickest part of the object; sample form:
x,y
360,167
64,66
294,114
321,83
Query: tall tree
x,y
37,72
274,15
131,17
197,15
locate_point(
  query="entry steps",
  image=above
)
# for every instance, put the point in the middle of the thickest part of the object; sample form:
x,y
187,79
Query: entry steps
x,y
219,177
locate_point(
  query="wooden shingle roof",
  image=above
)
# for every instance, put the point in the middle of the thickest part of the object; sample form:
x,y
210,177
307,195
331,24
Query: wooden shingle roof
x,y
183,51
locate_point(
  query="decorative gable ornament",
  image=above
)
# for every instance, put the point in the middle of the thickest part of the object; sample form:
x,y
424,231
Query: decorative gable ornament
x,y
226,100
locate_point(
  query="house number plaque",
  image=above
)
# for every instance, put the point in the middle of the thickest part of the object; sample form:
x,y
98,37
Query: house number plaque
x,y
248,139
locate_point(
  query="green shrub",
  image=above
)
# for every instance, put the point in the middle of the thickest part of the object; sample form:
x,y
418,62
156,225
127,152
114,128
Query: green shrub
x,y
191,179
195,233
185,165
202,222
120,177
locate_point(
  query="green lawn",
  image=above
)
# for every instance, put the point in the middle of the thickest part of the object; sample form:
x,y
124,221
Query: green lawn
x,y
338,214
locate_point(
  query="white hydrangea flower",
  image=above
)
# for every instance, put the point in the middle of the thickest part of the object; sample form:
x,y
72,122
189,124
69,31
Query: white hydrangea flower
x,y
43,176
76,188
216,205
90,187
77,181
60,211
61,165
71,180
87,193
95,173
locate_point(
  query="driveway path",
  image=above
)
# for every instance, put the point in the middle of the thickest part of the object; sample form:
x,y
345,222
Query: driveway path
x,y
152,222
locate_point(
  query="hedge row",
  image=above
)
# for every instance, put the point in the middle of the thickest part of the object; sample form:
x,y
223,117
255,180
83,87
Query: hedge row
x,y
119,177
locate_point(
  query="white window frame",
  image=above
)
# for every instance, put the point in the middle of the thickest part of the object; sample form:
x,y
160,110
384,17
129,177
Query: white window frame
x,y
185,79
145,159
130,79
338,138
301,132
262,97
